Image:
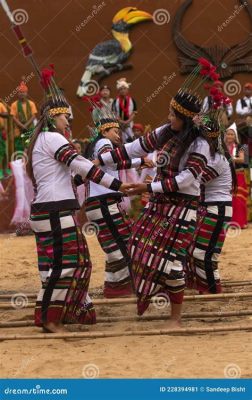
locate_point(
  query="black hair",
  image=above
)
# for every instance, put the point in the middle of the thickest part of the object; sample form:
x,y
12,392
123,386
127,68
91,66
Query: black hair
x,y
42,123
188,134
214,147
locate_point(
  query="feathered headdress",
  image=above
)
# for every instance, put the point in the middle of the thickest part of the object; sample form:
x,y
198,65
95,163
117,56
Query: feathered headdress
x,y
57,103
102,116
188,101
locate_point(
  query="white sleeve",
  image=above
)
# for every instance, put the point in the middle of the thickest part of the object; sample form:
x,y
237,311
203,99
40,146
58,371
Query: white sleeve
x,y
240,110
63,151
198,155
87,170
136,149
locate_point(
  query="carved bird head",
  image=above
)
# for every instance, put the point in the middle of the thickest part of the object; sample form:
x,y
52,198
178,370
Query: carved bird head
x,y
127,17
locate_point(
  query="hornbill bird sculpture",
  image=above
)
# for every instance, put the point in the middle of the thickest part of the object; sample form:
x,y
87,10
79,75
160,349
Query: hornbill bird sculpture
x,y
108,57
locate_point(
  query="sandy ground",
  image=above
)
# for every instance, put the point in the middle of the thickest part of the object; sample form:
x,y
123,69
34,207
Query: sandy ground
x,y
214,355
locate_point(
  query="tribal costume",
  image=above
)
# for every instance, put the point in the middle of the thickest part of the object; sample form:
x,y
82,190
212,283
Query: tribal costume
x,y
165,229
213,219
239,201
63,257
103,209
23,110
161,234
114,230
215,211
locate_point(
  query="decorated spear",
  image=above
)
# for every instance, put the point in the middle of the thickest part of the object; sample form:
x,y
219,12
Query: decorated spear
x,y
27,50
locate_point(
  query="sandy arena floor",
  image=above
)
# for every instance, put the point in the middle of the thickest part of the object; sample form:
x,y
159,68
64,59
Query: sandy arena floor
x,y
214,355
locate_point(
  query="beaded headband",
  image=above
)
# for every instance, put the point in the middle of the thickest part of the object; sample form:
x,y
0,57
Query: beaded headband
x,y
109,125
58,110
182,110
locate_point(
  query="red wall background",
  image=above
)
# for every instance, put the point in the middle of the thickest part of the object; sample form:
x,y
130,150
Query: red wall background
x,y
51,31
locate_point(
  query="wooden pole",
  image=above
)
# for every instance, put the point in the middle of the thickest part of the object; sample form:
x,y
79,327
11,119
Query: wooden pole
x,y
151,332
8,296
132,300
102,320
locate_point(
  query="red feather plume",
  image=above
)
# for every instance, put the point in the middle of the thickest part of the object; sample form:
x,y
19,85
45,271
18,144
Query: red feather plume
x,y
93,99
46,76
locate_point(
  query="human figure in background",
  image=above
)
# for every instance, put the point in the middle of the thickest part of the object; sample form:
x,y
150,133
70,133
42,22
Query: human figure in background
x,y
3,137
105,99
244,105
138,130
24,113
125,108
239,201
227,109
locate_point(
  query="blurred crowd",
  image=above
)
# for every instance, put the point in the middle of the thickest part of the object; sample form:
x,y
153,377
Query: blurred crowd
x,y
18,119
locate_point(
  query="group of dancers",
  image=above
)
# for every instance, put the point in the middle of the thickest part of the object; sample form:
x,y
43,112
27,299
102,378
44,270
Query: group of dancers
x,y
177,239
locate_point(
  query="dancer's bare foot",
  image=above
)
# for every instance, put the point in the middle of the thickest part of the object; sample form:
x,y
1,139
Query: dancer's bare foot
x,y
173,324
51,327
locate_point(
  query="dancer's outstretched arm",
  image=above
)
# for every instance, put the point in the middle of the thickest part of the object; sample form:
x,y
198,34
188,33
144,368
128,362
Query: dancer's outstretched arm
x,y
194,167
64,152
138,148
105,146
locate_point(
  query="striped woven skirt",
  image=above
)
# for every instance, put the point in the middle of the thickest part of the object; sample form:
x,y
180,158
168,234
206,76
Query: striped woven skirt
x,y
113,229
202,265
65,269
158,249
